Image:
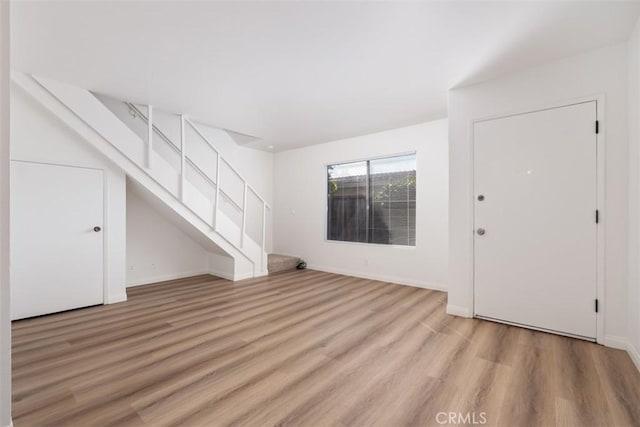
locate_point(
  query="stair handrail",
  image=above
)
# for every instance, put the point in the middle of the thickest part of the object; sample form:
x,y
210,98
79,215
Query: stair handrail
x,y
177,150
220,158
238,174
168,140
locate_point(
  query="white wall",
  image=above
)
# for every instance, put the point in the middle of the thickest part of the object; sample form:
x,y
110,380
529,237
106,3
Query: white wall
x,y
38,136
157,249
603,71
5,322
634,195
300,207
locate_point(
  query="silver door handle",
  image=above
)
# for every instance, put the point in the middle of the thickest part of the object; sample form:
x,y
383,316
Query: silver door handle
x,y
480,231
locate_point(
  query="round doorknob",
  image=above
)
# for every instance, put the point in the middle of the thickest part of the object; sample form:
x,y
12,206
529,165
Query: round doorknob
x,y
96,229
480,231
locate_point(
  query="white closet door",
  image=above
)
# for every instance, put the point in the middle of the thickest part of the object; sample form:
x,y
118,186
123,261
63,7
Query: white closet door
x,y
535,229
56,238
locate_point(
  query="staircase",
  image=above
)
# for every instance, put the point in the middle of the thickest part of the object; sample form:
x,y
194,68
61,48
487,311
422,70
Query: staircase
x,y
278,263
175,160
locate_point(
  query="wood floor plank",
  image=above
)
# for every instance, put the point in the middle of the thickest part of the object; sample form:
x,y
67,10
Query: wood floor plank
x,y
530,400
306,348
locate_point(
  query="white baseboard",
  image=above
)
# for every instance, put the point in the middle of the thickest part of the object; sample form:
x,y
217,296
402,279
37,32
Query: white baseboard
x,y
634,353
236,278
221,274
244,276
623,343
113,299
456,310
261,274
165,277
381,278
613,341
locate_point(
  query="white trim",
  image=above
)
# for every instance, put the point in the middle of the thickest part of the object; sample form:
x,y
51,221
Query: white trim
x,y
57,164
535,328
599,99
221,274
149,136
236,277
602,225
217,197
623,343
382,278
165,277
634,354
613,341
243,230
263,254
261,274
211,271
380,245
122,297
183,157
106,247
246,276
365,159
456,310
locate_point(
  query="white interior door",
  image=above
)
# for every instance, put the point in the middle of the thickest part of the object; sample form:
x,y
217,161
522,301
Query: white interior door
x,y
56,255
535,227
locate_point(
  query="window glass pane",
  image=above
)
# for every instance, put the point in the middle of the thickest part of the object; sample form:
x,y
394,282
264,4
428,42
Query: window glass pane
x,y
347,202
412,222
393,193
387,187
379,224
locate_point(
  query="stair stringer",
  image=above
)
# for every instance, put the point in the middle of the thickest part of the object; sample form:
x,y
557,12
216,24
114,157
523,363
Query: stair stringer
x,y
96,124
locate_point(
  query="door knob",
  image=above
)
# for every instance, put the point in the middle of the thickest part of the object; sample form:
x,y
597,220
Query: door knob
x,y
480,231
96,229
481,197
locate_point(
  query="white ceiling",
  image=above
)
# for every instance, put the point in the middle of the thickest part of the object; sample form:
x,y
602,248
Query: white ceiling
x,y
300,73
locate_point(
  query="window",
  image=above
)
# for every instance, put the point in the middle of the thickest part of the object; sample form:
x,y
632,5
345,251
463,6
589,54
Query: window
x,y
373,201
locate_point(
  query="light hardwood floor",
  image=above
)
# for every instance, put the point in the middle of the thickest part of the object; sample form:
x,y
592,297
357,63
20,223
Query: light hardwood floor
x,y
306,348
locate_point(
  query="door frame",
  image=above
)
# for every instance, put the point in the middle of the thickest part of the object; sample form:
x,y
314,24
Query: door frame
x,y
600,197
105,216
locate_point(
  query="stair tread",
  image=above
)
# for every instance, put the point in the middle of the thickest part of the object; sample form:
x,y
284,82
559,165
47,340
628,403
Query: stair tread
x,y
277,257
277,262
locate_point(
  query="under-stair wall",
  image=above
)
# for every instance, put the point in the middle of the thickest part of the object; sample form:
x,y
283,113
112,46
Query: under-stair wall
x,y
157,249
